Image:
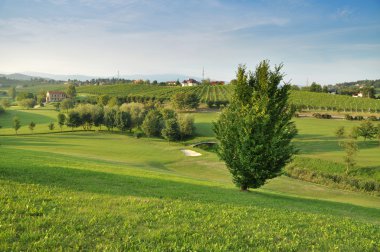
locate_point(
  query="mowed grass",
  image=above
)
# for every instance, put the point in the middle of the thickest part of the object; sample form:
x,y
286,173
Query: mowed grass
x,y
112,196
316,139
103,191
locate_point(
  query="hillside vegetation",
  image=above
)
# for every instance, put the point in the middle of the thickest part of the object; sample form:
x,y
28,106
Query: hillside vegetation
x,y
216,94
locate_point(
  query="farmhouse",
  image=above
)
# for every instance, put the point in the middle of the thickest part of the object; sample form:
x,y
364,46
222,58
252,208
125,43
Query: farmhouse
x,y
216,83
358,95
55,96
189,83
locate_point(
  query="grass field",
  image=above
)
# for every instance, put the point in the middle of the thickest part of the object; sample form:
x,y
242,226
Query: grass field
x,y
102,191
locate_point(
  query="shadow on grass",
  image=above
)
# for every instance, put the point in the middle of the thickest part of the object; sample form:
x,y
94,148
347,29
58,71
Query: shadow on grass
x,y
167,188
320,146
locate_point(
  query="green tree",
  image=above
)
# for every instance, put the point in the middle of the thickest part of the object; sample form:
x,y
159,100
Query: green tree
x,y
51,126
24,95
31,126
123,120
185,101
5,103
12,93
340,132
16,124
295,87
153,123
137,112
27,103
171,130
325,89
351,148
66,104
84,111
71,91
103,100
61,120
354,132
186,126
97,116
315,87
367,130
73,119
110,117
255,130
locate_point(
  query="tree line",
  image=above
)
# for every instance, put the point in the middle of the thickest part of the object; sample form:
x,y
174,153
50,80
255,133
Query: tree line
x,y
152,121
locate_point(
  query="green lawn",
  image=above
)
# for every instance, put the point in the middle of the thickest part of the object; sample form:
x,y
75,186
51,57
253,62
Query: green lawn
x,y
102,191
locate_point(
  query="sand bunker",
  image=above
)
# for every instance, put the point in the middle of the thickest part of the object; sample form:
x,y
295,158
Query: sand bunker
x,y
191,153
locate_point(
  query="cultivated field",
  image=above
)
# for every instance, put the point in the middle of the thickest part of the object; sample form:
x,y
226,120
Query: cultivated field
x,y
109,191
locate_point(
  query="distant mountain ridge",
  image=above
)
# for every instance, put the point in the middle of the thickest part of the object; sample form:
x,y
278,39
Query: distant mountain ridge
x,y
63,77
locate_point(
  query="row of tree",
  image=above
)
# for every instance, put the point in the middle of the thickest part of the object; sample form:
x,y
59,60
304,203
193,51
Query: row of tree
x,y
152,121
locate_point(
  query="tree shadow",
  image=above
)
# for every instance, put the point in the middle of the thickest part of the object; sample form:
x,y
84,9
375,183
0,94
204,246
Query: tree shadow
x,y
166,188
320,146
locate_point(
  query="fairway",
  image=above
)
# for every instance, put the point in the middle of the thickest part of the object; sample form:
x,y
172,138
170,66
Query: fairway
x,y
99,190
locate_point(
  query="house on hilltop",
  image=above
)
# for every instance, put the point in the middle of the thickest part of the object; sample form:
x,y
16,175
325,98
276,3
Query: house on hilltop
x,y
189,83
55,96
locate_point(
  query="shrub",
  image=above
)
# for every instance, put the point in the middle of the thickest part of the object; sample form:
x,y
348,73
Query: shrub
x,y
2,110
317,115
322,116
326,116
186,126
210,104
359,118
27,103
372,118
340,132
171,130
153,123
348,117
138,134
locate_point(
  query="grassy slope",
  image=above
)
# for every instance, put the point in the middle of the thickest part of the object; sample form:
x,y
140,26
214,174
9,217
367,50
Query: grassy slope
x,y
104,191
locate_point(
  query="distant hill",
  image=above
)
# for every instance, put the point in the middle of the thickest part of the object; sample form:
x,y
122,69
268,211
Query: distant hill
x,y
17,76
63,77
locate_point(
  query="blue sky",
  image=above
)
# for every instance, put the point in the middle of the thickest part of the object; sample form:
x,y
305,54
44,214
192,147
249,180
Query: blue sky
x,y
322,41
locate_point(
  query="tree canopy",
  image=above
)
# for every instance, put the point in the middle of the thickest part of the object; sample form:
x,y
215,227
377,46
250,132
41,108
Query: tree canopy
x,y
255,130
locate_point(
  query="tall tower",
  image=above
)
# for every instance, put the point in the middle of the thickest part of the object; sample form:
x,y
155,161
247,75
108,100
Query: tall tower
x,y
203,73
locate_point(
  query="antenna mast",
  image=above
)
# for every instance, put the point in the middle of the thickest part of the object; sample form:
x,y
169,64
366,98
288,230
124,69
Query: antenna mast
x,y
203,73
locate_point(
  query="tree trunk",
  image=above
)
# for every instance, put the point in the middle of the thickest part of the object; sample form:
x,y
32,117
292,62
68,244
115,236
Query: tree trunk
x,y
244,188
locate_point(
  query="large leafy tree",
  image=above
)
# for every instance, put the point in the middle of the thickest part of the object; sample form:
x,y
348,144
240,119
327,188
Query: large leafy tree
x,y
71,91
256,130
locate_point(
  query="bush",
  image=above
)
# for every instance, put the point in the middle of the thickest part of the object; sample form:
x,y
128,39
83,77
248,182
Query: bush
x,y
171,130
186,126
27,103
153,123
359,118
185,101
317,115
322,116
2,110
372,118
138,134
342,181
326,116
210,104
348,117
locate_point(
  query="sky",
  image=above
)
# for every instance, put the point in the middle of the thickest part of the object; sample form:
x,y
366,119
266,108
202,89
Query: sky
x,y
323,41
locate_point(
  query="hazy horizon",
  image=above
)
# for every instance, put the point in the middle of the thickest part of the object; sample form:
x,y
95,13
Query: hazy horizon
x,y
322,41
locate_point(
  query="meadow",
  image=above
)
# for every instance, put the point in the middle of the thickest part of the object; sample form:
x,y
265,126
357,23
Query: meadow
x,y
97,190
